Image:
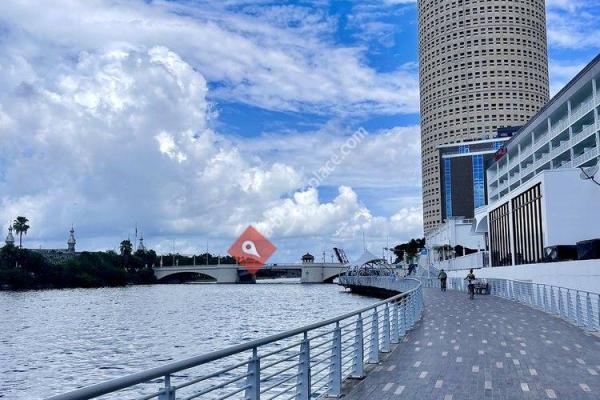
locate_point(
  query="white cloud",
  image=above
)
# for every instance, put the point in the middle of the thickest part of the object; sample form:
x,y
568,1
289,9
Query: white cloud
x,y
573,24
120,135
276,57
561,72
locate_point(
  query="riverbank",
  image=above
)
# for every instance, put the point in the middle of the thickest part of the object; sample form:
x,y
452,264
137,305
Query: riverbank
x,y
23,269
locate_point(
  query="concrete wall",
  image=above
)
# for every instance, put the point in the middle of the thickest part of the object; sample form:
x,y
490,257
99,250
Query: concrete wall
x,y
570,206
474,260
455,232
582,275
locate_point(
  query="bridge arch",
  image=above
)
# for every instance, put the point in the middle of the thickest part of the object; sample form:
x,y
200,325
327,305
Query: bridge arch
x,y
185,276
220,274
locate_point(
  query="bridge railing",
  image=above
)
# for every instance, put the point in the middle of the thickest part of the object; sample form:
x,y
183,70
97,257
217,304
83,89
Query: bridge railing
x,y
578,307
304,363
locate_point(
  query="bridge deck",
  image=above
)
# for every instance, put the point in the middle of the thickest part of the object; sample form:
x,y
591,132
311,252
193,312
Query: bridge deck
x,y
487,348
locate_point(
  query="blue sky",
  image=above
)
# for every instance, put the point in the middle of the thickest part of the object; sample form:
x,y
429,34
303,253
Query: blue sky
x,y
193,119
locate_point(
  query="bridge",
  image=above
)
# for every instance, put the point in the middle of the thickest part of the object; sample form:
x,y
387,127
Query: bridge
x,y
234,273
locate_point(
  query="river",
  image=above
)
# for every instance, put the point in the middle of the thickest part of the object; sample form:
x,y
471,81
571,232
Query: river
x,y
53,341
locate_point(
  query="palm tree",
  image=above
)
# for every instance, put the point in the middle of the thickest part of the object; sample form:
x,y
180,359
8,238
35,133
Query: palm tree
x,y
20,226
126,247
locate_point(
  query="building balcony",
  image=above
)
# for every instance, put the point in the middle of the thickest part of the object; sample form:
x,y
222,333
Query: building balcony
x,y
527,152
527,170
541,141
587,155
564,164
583,134
585,107
542,160
560,149
559,127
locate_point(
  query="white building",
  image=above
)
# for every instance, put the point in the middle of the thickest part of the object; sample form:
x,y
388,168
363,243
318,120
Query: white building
x,y
536,197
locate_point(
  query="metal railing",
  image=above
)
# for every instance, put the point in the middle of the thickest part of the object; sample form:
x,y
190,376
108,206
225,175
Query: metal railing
x,y
578,307
304,363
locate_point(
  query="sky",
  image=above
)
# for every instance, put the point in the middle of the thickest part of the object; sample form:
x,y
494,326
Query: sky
x,y
194,119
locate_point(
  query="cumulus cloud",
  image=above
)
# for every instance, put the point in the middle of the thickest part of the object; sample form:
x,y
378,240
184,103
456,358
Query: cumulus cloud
x,y
273,57
573,24
120,135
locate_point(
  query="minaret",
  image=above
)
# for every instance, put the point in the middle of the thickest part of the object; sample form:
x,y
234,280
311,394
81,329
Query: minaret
x,y
71,242
141,245
10,240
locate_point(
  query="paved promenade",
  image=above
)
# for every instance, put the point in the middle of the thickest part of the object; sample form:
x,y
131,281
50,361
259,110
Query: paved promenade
x,y
487,348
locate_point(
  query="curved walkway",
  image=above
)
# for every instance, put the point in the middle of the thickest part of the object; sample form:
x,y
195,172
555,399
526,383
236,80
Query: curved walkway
x,y
487,348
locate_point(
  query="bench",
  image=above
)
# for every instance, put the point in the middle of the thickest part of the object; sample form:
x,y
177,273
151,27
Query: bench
x,y
482,288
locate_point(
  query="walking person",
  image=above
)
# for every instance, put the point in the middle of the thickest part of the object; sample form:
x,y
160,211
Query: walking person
x,y
442,276
471,284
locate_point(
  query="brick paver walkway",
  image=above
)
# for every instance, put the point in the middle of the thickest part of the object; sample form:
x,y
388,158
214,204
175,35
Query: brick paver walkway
x,y
487,348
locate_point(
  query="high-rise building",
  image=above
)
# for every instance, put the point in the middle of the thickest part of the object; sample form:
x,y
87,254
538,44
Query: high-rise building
x,y
483,66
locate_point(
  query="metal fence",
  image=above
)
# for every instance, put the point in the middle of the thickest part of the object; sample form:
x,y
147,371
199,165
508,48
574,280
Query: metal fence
x,y
578,307
301,364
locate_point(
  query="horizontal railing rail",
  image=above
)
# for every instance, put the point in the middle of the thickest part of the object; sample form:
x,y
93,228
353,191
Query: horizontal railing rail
x,y
578,307
304,363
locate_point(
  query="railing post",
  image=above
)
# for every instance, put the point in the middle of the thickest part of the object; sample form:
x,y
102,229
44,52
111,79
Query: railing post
x,y
335,366
402,327
590,312
413,302
411,315
253,379
303,381
598,308
569,306
395,338
168,392
553,307
374,350
358,370
538,299
561,305
578,309
385,345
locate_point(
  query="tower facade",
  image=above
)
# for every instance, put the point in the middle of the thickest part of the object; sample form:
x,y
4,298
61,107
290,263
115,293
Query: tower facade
x,y
71,242
483,65
10,239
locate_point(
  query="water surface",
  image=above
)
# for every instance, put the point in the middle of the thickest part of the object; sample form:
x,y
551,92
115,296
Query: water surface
x,y
52,341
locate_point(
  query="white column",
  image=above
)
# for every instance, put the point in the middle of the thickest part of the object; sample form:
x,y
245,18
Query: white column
x,y
595,95
571,151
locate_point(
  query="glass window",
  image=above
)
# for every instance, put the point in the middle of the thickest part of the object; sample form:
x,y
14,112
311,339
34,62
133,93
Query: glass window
x,y
478,181
448,186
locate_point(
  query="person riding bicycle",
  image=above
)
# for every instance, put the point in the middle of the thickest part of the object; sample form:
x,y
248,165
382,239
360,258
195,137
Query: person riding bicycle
x,y
442,276
471,280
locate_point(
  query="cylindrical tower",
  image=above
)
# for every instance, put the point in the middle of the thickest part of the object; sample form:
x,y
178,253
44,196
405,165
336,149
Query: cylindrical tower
x,y
483,65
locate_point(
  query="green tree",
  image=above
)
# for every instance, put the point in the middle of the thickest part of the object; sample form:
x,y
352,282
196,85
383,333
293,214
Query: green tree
x,y
410,249
126,247
20,226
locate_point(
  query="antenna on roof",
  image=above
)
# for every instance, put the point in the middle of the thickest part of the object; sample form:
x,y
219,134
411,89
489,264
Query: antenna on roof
x,y
588,173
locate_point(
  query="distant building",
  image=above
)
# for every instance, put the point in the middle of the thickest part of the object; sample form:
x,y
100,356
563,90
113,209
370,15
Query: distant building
x,y
10,240
463,179
141,245
482,65
536,196
57,256
308,259
71,242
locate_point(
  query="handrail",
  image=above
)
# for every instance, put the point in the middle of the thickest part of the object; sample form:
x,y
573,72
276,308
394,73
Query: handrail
x,y
578,307
411,298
